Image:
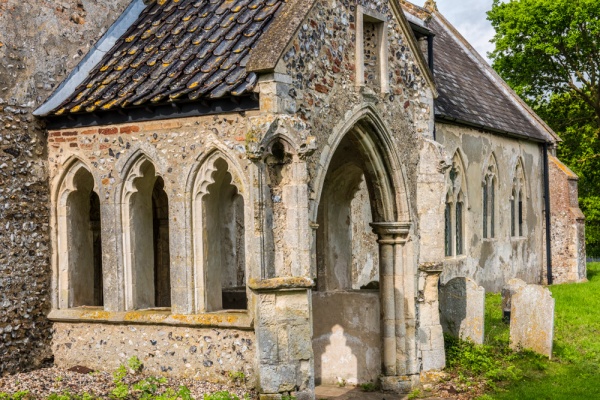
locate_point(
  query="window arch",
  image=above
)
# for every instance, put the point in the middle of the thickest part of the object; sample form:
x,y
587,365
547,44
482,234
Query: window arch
x,y
455,208
79,240
146,238
219,237
517,200
490,182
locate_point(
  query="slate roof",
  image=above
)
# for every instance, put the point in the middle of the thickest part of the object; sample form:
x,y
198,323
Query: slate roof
x,y
177,50
468,95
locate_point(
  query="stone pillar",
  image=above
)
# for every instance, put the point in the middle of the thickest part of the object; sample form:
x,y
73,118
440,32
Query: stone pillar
x,y
430,333
284,337
396,356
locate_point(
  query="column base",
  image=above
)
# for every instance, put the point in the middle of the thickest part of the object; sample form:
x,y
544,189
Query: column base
x,y
399,384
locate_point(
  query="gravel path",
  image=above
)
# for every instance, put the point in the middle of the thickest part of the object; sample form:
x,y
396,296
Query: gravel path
x,y
43,382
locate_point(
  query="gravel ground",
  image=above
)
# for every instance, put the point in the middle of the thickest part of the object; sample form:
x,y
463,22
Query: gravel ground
x,y
78,380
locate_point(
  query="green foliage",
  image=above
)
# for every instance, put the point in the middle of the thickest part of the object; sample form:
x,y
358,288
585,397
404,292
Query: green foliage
x,y
547,50
415,394
135,364
288,397
368,387
505,374
579,128
548,46
223,395
21,395
119,374
237,377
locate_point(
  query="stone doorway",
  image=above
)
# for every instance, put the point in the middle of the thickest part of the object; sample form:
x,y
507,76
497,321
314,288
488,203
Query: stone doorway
x,y
346,303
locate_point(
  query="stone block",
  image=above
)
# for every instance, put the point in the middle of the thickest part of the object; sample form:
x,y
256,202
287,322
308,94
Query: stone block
x,y
433,359
462,309
511,287
396,384
532,319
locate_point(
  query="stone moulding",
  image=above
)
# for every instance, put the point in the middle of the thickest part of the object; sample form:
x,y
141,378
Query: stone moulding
x,y
274,284
234,320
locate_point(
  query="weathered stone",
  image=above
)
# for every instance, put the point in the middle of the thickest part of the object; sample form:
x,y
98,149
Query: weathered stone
x,y
163,350
462,309
532,320
511,287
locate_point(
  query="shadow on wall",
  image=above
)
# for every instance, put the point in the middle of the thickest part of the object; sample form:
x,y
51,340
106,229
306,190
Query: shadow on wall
x,y
347,339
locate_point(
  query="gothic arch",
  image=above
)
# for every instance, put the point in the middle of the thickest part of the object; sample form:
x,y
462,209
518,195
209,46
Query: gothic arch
x,y
518,196
456,206
376,143
217,193
490,182
144,221
77,257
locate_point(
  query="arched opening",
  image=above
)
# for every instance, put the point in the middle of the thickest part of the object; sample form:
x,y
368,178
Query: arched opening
x,y
147,240
516,202
160,228
223,245
490,181
347,305
455,206
82,238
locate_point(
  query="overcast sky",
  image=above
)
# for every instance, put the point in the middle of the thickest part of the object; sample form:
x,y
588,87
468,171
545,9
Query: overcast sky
x,y
469,17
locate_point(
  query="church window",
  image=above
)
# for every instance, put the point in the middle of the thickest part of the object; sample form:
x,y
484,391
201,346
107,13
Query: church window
x,y
516,202
489,200
219,239
146,239
455,206
79,240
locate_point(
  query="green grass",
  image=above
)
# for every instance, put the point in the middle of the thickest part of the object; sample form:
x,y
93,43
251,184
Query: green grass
x,y
573,372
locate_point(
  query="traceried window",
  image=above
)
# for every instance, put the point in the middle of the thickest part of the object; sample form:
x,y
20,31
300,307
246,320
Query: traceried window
x,y
219,238
517,202
455,208
146,238
489,200
79,240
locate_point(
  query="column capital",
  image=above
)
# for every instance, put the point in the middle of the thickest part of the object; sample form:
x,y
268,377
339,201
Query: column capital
x,y
397,232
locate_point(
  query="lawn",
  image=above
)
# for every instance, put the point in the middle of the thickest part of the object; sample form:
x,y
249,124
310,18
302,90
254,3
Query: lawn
x,y
573,372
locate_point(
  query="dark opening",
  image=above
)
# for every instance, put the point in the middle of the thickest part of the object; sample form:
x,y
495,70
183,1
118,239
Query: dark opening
x,y
448,230
459,228
95,228
162,272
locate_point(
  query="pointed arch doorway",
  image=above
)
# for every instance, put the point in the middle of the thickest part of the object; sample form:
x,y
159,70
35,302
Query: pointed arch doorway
x,y
355,303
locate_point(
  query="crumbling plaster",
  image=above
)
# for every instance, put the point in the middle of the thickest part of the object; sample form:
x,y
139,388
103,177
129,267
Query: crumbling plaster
x,y
492,262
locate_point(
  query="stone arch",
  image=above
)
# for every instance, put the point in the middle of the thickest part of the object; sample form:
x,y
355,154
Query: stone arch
x,y
78,254
490,181
145,227
517,200
359,163
219,235
456,206
378,144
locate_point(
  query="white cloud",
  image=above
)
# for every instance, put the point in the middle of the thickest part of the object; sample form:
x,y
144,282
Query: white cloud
x,y
469,18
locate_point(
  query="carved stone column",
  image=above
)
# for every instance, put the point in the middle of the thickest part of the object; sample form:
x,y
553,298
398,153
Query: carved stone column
x,y
391,237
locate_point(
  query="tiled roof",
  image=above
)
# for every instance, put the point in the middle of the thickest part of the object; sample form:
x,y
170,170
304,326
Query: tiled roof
x,y
468,95
177,50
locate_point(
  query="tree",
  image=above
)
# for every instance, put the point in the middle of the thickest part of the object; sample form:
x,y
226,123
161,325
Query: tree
x,y
546,47
578,127
549,52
